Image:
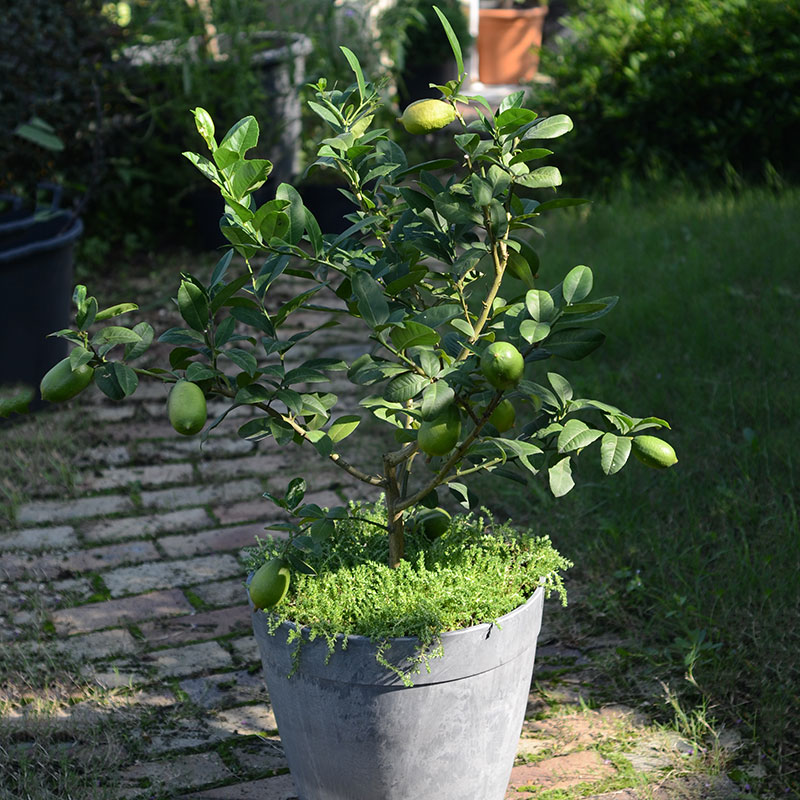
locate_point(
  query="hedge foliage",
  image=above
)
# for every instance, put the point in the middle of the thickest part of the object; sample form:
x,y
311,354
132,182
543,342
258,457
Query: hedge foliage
x,y
701,87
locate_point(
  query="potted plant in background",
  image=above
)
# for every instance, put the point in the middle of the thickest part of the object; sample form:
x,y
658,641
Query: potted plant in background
x,y
56,55
232,61
509,39
397,640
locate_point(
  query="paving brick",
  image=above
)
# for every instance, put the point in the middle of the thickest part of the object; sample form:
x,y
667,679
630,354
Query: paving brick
x,y
146,525
179,449
280,787
264,464
39,538
55,566
94,646
245,720
111,454
222,593
219,539
178,662
182,734
561,772
90,617
63,510
116,677
179,773
259,510
226,689
260,755
193,627
168,574
149,476
201,495
246,650
111,413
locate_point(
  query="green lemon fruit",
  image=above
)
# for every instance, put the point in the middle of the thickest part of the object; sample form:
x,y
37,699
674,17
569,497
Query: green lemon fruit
x,y
15,400
62,382
502,365
270,583
186,408
437,437
433,522
654,452
424,116
504,416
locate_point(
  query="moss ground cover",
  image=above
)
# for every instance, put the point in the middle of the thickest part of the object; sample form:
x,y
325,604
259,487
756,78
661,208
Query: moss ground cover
x,y
702,577
475,572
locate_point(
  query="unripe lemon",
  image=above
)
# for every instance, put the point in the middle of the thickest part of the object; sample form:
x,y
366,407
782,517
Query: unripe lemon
x,y
186,408
502,365
504,416
433,522
270,583
654,452
424,116
437,437
61,382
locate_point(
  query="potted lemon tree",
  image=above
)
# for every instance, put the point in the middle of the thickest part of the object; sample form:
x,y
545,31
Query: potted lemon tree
x,y
397,638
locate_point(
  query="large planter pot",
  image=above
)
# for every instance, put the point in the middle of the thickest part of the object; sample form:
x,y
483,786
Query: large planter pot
x,y
508,44
351,729
35,293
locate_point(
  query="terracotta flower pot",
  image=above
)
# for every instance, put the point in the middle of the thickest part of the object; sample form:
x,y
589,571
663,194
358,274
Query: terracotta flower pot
x,y
508,44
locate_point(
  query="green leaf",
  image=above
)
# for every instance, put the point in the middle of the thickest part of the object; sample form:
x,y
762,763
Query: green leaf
x,y
371,302
321,441
435,399
520,269
356,67
295,492
413,334
561,202
115,311
253,393
113,335
404,387
116,380
205,126
41,133
453,39
577,285
614,452
550,127
242,136
438,315
221,268
256,429
224,294
292,400
560,477
193,305
584,312
342,427
197,371
573,344
78,357
244,360
540,305
541,178
136,349
303,374
295,211
313,232
248,175
531,155
86,314
205,166
576,435
533,332
561,386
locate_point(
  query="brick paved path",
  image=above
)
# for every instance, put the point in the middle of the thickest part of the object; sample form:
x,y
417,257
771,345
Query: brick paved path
x,y
136,581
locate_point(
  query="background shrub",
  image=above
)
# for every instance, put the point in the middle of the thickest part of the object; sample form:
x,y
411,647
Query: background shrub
x,y
702,87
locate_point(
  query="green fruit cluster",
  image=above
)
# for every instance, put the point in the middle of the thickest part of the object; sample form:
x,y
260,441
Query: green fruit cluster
x,y
424,116
270,583
186,408
502,365
62,382
438,436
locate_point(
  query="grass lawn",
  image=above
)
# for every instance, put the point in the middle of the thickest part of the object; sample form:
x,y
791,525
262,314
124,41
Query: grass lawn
x,y
697,567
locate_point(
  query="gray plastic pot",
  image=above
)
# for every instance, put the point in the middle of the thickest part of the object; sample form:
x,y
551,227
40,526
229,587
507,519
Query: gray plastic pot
x,y
352,731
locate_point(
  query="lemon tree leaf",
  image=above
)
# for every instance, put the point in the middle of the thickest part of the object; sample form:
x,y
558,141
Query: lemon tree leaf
x,y
342,427
614,452
576,435
560,477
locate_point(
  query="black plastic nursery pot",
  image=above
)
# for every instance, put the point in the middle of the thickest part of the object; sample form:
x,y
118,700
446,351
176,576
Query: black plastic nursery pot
x,y
36,259
352,730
